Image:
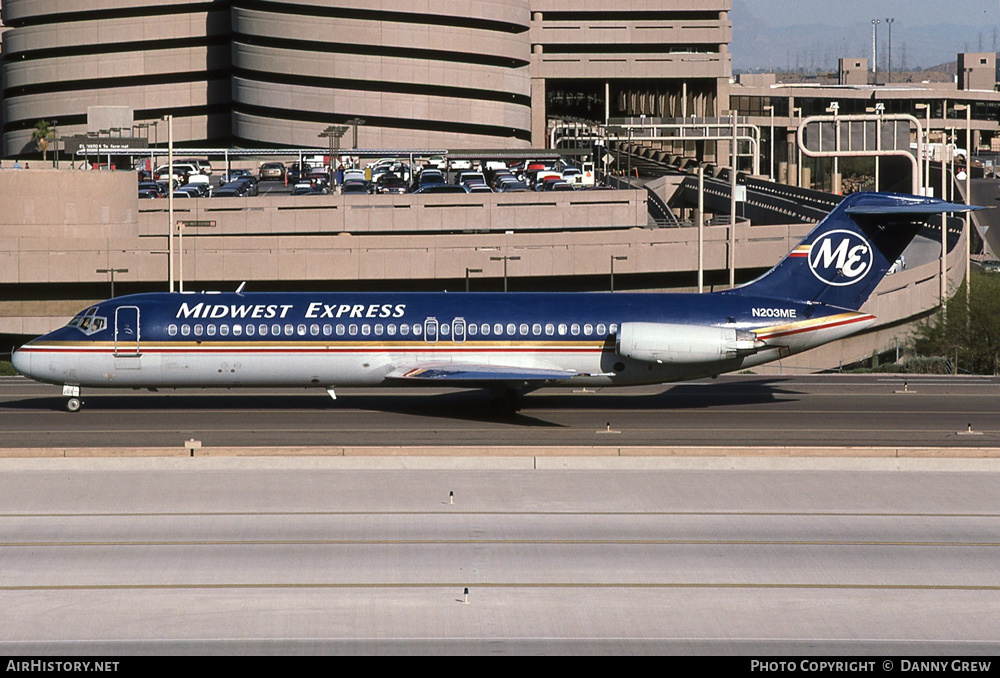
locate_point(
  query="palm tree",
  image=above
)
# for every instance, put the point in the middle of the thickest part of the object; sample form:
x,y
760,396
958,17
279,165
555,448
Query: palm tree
x,y
41,135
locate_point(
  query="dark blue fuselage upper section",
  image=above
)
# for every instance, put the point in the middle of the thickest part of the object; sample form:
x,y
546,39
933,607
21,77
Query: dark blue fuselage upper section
x,y
514,316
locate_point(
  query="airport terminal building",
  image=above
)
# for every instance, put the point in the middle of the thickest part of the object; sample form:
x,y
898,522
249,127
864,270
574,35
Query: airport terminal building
x,y
475,74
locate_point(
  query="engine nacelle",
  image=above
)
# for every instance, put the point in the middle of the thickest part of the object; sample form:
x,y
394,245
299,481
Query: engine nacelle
x,y
681,344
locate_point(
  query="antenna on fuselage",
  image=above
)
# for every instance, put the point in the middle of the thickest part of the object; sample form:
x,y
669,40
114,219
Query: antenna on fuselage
x,y
239,290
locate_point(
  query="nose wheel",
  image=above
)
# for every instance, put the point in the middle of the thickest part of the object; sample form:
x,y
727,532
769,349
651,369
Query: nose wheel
x,y
73,393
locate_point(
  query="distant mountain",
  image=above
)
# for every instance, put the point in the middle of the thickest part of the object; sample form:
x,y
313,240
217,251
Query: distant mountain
x,y
758,45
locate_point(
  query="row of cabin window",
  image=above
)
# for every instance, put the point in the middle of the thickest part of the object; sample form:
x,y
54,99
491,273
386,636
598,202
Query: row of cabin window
x,y
327,330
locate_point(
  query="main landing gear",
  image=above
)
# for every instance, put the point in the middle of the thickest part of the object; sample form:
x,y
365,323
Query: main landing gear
x,y
507,402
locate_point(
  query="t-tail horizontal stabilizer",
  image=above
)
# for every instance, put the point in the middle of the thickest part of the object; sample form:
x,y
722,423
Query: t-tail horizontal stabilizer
x,y
849,252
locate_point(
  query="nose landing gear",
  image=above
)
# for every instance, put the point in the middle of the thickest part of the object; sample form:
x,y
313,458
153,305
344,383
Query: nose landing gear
x,y
74,403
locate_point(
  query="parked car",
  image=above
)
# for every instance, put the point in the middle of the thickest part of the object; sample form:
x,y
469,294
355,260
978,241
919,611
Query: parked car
x,y
355,187
233,175
204,166
156,188
469,178
354,175
181,171
272,171
990,266
442,188
308,189
429,177
390,183
227,192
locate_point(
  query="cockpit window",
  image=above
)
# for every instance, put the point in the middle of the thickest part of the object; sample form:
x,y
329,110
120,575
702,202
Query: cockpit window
x,y
88,321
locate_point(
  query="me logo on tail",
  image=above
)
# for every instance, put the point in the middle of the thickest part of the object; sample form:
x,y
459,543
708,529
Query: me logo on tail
x,y
840,258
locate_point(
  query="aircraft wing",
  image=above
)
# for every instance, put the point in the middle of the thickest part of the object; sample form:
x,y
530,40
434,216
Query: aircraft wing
x,y
462,374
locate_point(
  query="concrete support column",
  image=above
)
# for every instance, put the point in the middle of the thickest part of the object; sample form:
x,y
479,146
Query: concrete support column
x,y
538,137
792,167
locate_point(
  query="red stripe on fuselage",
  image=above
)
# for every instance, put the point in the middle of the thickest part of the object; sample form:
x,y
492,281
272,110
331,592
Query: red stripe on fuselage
x,y
826,326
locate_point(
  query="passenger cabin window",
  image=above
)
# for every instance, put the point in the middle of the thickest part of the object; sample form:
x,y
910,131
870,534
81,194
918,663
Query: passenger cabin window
x,y
458,327
172,330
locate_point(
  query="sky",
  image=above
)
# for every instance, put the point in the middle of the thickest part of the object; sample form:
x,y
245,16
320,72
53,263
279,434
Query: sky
x,y
793,12
778,34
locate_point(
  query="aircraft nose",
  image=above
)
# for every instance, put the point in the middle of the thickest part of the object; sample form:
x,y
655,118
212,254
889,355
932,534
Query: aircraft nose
x,y
22,362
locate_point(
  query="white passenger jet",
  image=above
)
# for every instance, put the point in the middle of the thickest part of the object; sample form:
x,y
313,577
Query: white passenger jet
x,y
508,343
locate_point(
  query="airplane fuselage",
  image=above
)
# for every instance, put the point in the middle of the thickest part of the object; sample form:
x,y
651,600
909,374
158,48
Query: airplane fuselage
x,y
368,339
509,343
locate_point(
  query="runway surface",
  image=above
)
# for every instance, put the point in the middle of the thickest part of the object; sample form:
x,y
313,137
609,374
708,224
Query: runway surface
x,y
271,560
741,410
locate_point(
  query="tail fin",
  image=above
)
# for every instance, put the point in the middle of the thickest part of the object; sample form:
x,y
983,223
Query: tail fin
x,y
848,253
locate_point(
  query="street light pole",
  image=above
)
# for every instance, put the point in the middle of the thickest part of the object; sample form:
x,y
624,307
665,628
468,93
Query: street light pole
x,y
732,209
505,259
926,150
834,108
170,200
112,271
799,165
613,260
770,175
968,201
467,272
355,122
889,21
701,228
875,23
